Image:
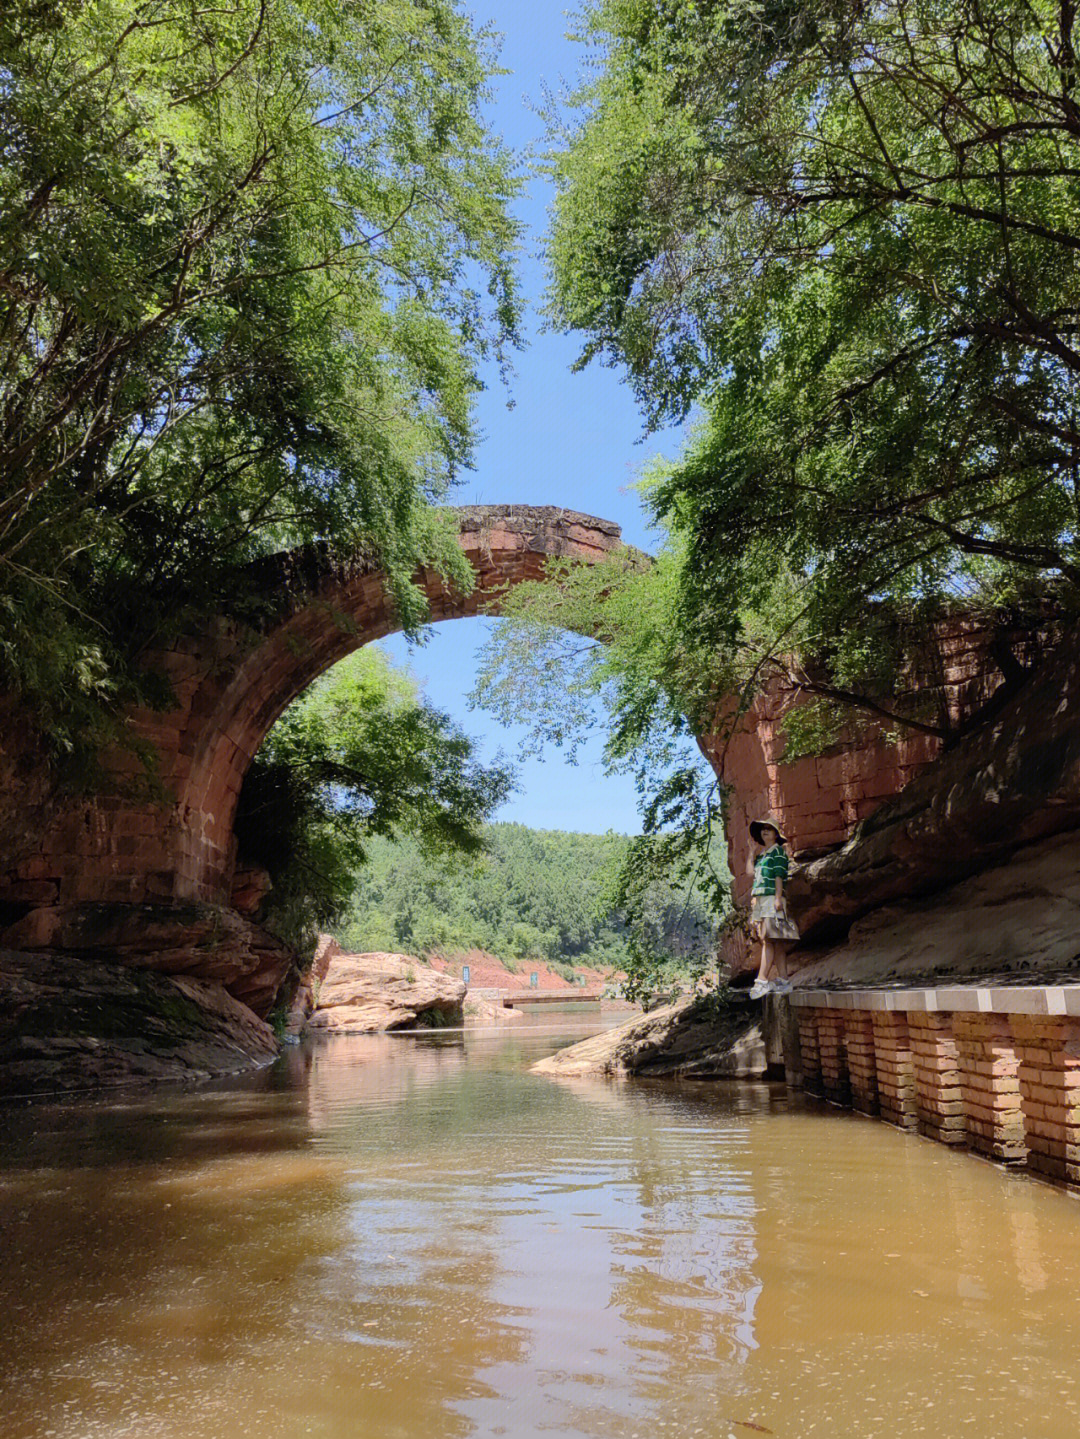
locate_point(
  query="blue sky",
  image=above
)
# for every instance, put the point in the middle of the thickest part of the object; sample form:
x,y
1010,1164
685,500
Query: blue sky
x,y
570,440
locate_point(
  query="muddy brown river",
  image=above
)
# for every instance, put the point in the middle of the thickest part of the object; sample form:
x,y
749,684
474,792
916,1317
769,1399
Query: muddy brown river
x,y
413,1238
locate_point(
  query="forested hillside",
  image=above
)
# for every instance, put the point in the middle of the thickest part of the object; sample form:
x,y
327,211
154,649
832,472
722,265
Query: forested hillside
x,y
533,894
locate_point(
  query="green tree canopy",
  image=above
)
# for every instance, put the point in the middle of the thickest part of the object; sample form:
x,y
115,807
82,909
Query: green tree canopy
x,y
848,240
250,259
359,756
527,895
596,643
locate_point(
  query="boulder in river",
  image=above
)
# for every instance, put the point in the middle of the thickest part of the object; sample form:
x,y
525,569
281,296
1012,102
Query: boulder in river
x,y
370,993
691,1039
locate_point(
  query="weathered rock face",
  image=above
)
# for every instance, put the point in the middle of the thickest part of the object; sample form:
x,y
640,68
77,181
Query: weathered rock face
x,y
204,941
68,1025
302,1003
369,993
684,1040
249,889
1016,920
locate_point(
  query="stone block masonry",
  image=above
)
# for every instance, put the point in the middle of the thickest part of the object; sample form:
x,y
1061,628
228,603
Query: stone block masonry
x,y
989,1078
995,1069
862,1069
171,841
1048,1051
809,1067
147,870
938,1095
230,681
820,798
895,1069
836,1085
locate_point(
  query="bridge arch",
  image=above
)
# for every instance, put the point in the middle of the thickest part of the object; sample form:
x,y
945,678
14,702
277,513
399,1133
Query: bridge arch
x,y
149,880
336,608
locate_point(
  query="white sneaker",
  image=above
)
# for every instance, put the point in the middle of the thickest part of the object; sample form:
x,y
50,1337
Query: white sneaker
x,y
760,988
782,986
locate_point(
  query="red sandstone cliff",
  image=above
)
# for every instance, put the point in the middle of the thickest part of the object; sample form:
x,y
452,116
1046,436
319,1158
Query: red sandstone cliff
x,y
1011,783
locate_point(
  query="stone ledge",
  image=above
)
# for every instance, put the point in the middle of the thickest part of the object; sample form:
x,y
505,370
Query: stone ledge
x,y
949,999
69,1025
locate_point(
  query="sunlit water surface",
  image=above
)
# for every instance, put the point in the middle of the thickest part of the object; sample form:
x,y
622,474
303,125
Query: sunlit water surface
x,y
391,1238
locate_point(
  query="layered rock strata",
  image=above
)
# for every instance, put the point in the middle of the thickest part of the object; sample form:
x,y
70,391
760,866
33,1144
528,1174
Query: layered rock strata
x,y
69,1025
205,941
1010,784
1011,922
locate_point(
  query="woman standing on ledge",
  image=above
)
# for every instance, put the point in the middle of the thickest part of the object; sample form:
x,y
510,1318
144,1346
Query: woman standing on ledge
x,y
768,908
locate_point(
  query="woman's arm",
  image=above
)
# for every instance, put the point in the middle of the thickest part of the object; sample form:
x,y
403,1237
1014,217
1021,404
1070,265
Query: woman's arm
x,y
751,865
779,892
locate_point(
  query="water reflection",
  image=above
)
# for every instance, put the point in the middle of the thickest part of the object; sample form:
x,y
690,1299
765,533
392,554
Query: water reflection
x,y
402,1237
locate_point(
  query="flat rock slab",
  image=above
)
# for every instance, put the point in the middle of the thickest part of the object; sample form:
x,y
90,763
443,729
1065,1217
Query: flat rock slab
x,y
688,1039
372,993
69,1024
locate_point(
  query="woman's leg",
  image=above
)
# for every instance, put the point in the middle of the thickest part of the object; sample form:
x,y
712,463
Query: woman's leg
x,y
779,959
759,934
768,958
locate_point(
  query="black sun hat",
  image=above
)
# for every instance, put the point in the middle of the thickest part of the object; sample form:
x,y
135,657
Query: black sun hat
x,y
757,825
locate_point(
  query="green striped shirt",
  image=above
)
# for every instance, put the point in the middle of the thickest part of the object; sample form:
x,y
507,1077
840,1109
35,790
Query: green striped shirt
x,y
769,867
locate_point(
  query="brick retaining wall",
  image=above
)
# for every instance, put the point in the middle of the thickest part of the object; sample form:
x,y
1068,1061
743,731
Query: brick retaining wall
x,y
995,1069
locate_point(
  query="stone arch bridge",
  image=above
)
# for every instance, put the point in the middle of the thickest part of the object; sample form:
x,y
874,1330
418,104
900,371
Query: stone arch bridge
x,y
105,870
152,881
